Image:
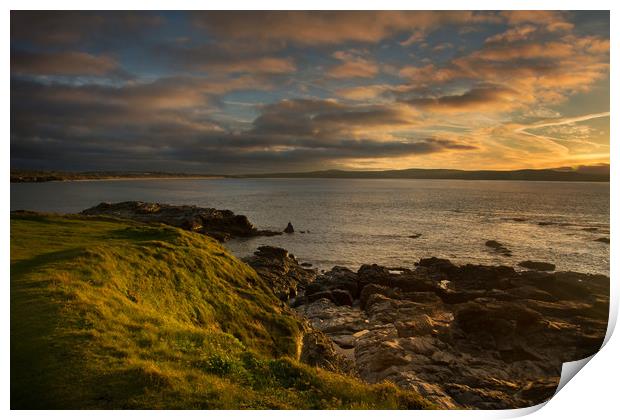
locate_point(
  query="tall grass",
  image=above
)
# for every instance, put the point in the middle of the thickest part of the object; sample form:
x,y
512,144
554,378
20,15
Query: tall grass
x,y
107,313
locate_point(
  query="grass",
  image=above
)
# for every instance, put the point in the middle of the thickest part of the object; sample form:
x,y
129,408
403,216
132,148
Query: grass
x,y
107,313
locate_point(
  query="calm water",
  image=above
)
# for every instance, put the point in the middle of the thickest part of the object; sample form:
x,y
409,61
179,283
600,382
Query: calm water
x,y
351,222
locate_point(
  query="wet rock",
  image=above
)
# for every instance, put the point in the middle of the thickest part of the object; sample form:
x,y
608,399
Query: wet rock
x,y
289,228
537,265
219,224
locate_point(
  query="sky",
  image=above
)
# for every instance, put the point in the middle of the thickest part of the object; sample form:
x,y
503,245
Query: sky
x,y
251,92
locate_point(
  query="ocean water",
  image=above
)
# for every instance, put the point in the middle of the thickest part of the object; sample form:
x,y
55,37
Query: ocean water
x,y
353,222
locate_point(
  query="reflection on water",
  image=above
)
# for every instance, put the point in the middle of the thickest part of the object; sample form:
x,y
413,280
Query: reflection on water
x,y
352,222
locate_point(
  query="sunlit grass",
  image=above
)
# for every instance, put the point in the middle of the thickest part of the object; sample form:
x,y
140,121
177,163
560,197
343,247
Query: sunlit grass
x,y
114,314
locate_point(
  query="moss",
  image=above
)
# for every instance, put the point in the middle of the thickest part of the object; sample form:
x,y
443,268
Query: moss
x,y
108,313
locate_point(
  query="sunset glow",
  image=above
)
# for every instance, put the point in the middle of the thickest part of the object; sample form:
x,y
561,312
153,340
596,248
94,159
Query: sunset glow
x,y
239,92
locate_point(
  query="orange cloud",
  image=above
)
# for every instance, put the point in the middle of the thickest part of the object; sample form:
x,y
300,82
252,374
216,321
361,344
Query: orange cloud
x,y
353,65
319,28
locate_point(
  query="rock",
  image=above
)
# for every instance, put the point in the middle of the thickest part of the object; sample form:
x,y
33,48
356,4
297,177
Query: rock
x,y
415,236
219,224
340,278
480,337
537,265
281,271
318,350
370,290
498,247
604,240
306,264
342,297
420,325
325,294
289,228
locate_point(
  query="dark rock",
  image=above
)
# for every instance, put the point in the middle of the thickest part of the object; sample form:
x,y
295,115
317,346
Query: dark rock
x,y
481,337
369,290
325,294
604,240
281,271
219,224
537,265
289,228
340,278
499,248
306,264
342,297
415,236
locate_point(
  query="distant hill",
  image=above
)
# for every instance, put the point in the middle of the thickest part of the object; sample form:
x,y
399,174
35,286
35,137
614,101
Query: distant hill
x,y
595,173
518,175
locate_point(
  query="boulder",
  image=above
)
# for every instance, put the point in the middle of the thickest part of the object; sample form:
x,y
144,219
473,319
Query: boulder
x,y
289,228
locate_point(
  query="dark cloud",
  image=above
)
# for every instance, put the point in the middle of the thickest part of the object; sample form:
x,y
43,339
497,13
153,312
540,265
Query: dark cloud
x,y
71,28
65,63
224,58
145,125
486,97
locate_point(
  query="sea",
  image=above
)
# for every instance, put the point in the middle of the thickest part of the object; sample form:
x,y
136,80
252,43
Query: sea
x,y
391,222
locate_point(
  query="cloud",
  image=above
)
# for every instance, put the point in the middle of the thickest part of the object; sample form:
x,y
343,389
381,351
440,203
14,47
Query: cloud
x,y
486,98
225,58
327,28
169,121
560,122
66,63
552,20
353,65
327,119
362,93
64,28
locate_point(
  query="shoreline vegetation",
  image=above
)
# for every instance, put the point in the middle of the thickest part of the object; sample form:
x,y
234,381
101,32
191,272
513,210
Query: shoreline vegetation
x,y
136,305
23,176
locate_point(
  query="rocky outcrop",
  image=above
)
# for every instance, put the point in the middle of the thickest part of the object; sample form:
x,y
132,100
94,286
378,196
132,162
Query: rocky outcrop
x,y
281,271
219,224
289,228
467,336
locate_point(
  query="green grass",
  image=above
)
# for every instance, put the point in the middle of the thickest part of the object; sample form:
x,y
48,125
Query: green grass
x,y
107,313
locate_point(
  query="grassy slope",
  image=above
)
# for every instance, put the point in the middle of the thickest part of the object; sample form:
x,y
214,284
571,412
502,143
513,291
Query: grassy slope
x,y
114,314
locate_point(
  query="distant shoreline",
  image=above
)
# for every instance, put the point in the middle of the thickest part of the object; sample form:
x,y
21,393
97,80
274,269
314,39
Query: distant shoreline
x,y
428,174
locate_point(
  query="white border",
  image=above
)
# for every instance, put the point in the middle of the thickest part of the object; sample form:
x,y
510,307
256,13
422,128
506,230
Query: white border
x,y
592,394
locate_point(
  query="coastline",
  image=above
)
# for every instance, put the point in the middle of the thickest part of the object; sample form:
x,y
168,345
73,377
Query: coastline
x,y
418,327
